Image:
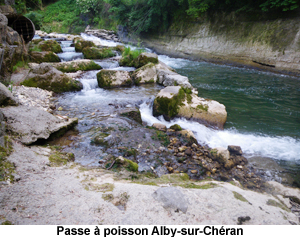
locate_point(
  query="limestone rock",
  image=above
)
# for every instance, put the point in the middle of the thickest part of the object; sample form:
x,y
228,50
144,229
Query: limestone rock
x,y
77,65
208,112
50,45
3,19
97,53
145,74
45,56
174,101
172,198
221,154
28,124
170,78
113,78
49,78
13,37
80,44
160,126
145,58
6,97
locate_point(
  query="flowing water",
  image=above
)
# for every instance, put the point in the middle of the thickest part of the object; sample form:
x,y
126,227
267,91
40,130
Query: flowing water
x,y
263,108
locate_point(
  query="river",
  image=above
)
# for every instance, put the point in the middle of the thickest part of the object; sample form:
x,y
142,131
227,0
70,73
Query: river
x,y
263,108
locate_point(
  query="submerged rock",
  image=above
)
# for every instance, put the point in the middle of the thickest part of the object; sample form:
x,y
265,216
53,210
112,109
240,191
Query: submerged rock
x,y
45,76
175,101
28,124
113,78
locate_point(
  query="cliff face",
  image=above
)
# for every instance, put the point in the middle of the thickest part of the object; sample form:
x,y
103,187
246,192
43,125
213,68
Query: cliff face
x,y
274,45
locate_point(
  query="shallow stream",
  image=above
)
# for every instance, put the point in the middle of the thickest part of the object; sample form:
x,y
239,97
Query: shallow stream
x,y
263,109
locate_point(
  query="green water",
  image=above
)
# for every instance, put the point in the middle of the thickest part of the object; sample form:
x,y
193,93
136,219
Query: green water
x,y
256,102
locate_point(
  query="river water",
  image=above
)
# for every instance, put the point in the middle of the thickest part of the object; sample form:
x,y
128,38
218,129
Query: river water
x,y
263,108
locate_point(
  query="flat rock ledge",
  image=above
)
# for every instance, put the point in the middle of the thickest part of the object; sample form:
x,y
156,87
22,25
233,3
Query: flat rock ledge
x,y
48,195
28,124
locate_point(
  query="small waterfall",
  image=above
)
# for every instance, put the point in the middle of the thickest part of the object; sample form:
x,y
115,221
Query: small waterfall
x,y
68,53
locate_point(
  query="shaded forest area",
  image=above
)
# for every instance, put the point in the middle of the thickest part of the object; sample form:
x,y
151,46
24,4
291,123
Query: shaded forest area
x,y
139,16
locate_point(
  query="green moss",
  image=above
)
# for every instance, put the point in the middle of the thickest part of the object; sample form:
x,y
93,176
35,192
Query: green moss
x,y
161,136
50,45
202,107
60,159
104,78
41,57
107,197
96,53
107,187
20,65
131,166
6,223
134,115
273,203
100,140
78,66
120,48
6,167
81,44
64,84
239,196
196,186
176,127
169,107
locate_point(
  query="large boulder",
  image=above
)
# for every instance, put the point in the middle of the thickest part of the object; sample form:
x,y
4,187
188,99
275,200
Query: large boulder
x,y
6,97
131,60
28,124
80,44
77,65
168,77
145,75
46,77
113,78
176,101
145,58
44,56
97,53
50,45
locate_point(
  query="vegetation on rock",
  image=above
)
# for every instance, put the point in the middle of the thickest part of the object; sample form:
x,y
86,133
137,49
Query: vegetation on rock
x,y
97,53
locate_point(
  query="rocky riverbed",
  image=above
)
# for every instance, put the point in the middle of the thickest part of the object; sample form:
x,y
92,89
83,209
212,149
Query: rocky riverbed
x,y
139,174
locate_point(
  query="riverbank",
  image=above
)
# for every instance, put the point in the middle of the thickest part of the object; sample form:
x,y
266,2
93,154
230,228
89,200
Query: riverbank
x,y
99,195
72,194
227,39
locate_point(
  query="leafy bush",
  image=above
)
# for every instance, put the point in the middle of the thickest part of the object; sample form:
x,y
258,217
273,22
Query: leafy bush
x,y
36,18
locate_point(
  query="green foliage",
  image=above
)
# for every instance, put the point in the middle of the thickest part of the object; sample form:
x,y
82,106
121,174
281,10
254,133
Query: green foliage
x,y
19,65
96,53
129,57
36,18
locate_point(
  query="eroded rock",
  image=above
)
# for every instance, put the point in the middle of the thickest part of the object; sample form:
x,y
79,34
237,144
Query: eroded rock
x,y
28,124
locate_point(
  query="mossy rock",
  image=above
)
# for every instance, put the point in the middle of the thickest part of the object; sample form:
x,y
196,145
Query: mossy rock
x,y
112,78
50,45
129,61
96,53
176,127
81,44
134,115
100,140
168,106
120,48
36,41
45,56
46,77
128,164
145,58
81,65
60,159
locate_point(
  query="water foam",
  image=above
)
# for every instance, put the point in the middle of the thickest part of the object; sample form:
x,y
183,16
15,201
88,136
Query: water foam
x,y
285,148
